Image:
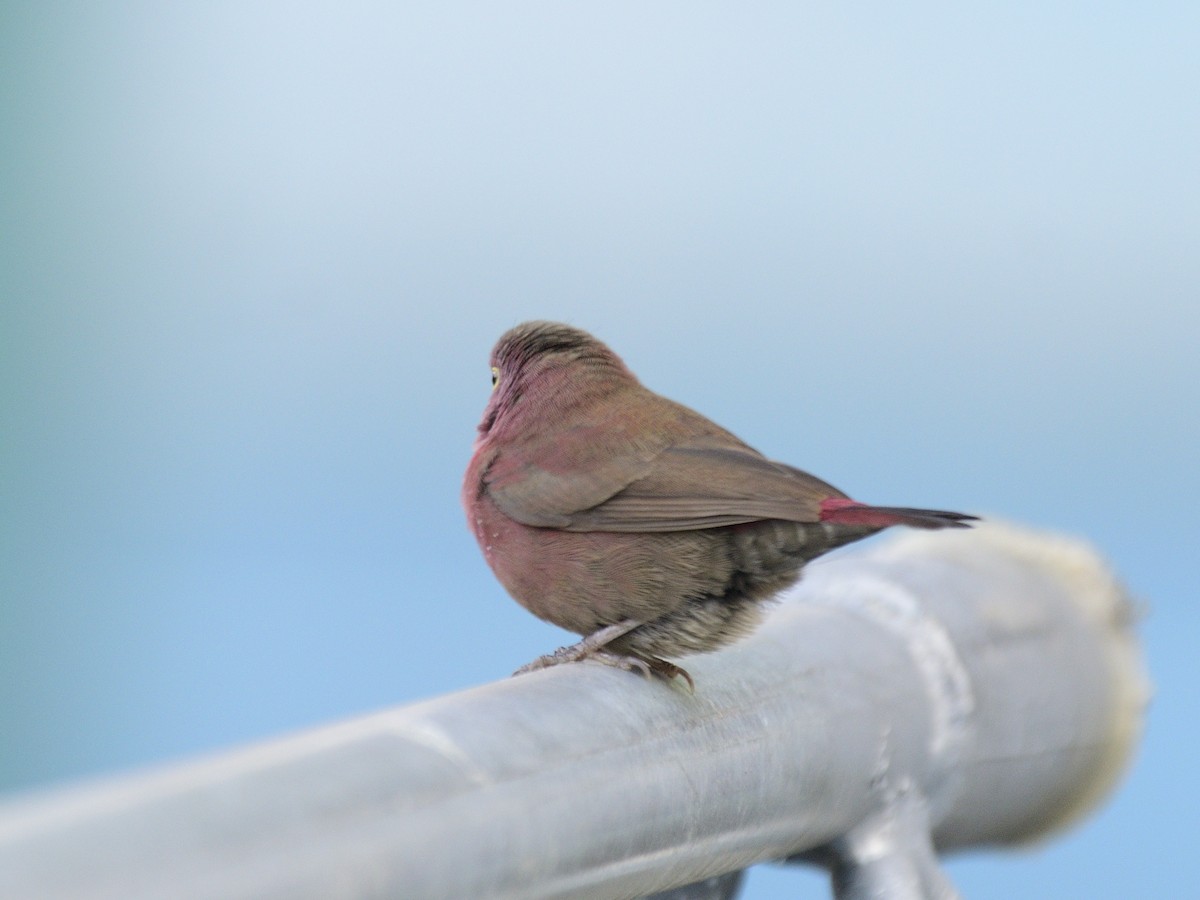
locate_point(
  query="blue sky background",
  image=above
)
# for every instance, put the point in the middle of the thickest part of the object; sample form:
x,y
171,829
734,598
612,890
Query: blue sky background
x,y
254,257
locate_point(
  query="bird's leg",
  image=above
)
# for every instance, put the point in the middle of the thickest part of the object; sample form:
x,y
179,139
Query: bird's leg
x,y
594,647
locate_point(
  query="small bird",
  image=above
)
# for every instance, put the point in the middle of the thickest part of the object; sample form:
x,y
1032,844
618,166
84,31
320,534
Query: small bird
x,y
627,518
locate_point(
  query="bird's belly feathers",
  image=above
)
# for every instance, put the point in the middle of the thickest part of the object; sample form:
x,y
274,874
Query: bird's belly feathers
x,y
703,587
582,581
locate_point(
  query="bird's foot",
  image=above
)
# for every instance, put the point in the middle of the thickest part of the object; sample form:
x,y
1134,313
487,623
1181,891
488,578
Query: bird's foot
x,y
595,646
646,666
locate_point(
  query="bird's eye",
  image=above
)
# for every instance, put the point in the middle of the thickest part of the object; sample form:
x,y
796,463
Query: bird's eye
x,y
495,376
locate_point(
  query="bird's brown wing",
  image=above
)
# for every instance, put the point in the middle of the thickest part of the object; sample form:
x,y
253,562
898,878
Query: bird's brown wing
x,y
698,486
702,481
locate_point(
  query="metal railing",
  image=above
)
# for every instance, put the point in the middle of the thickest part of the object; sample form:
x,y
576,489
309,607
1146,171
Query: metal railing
x,y
940,691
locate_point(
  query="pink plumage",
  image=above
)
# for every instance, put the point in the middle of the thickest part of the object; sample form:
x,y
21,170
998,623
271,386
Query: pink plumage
x,y
630,519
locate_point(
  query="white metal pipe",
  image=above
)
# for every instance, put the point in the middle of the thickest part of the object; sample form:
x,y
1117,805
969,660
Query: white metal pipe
x,y
944,690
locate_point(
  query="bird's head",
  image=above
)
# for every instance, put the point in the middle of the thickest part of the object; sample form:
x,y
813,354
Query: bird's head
x,y
540,369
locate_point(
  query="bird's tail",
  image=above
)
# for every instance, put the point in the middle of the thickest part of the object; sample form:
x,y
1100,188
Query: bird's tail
x,y
842,511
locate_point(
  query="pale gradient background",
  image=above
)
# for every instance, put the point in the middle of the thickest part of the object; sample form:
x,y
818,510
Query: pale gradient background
x,y
254,257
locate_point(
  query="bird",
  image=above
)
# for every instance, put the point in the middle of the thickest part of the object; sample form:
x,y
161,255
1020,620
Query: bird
x,y
632,520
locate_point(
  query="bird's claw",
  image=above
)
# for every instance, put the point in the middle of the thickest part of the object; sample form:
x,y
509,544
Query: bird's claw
x,y
668,671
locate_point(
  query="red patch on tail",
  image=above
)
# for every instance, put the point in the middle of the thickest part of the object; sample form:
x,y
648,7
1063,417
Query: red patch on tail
x,y
844,511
